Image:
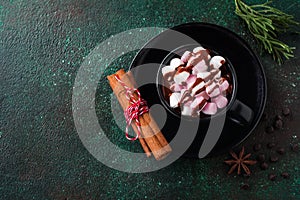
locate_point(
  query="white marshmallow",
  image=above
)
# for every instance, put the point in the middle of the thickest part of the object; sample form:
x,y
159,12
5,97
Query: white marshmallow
x,y
187,110
174,99
194,60
197,88
176,62
210,86
168,72
167,69
186,56
198,50
218,75
185,95
176,87
203,75
196,102
216,61
200,67
216,91
181,77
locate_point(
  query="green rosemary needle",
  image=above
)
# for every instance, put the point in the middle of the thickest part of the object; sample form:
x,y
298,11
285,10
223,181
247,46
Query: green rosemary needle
x,y
264,23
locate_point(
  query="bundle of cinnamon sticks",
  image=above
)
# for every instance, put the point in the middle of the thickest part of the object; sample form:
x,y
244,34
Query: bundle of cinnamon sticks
x,y
151,138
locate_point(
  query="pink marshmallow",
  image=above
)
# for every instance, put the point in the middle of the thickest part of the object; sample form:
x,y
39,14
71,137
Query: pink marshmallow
x,y
190,81
210,109
197,101
200,67
203,94
220,101
215,92
224,86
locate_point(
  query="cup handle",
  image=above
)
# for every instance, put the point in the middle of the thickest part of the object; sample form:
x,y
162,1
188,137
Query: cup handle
x,y
240,113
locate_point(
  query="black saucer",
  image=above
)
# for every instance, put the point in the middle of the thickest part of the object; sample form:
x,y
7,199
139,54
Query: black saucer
x,y
250,75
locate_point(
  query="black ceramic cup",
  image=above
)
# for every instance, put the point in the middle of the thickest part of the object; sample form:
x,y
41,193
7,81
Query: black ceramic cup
x,y
248,98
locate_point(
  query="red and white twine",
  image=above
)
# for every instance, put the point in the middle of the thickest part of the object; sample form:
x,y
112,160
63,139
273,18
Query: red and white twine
x,y
136,108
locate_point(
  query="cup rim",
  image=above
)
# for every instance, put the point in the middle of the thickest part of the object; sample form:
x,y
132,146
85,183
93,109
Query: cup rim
x,y
166,105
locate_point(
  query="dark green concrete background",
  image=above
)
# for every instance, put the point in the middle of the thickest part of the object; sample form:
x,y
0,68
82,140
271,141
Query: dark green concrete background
x,y
43,44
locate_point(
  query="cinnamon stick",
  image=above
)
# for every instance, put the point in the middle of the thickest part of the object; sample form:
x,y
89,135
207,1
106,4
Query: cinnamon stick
x,y
153,138
124,104
149,119
149,136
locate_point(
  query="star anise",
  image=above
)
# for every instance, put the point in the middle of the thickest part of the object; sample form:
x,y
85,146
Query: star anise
x,y
240,162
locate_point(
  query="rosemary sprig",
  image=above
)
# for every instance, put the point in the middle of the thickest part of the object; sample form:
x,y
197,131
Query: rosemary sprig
x,y
264,23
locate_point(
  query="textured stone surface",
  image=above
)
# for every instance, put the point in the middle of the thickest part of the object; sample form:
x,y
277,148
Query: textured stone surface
x,y
43,44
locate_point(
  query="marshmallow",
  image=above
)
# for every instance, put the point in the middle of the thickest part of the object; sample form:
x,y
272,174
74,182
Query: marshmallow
x,y
218,75
210,109
215,92
224,86
210,86
204,75
187,110
186,56
176,62
191,80
198,87
220,101
216,61
200,67
198,50
209,77
198,102
194,60
204,53
202,94
174,99
208,57
167,69
181,77
185,96
196,82
176,87
168,72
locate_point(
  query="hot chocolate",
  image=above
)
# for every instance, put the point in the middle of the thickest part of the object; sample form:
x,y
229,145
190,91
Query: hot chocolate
x,y
197,83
